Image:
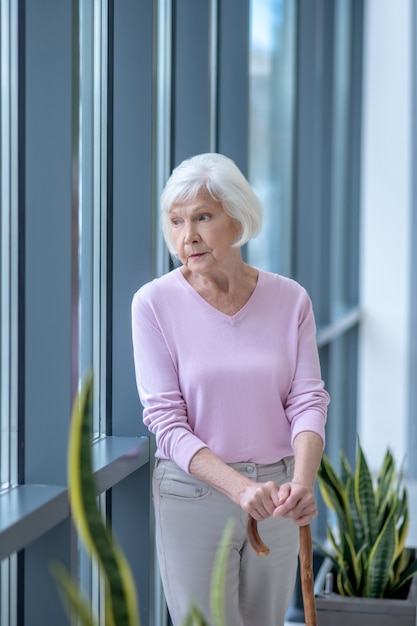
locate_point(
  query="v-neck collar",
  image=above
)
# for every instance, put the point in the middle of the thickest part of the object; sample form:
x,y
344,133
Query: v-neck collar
x,y
232,319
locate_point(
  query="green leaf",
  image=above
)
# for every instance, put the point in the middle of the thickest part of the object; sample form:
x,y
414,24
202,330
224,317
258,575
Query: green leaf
x,y
352,563
74,601
380,560
218,581
327,553
357,530
343,583
364,498
338,552
405,576
333,493
346,473
404,521
97,538
385,481
195,618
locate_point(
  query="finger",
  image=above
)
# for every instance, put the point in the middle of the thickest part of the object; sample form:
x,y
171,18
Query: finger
x,y
296,508
300,515
283,493
264,500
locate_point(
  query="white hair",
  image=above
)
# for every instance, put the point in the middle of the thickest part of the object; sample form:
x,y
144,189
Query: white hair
x,y
222,179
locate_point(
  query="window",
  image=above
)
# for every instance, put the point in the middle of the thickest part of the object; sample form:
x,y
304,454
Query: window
x,y
272,125
55,242
304,163
105,100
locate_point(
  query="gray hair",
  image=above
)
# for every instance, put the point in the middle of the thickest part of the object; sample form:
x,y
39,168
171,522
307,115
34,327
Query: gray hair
x,y
222,179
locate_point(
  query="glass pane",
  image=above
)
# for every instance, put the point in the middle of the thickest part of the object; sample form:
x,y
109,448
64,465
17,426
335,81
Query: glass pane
x,y
9,244
92,182
271,119
8,591
341,210
85,186
92,238
9,258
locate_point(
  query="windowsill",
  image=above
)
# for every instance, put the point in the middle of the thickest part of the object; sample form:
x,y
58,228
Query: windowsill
x,y
29,511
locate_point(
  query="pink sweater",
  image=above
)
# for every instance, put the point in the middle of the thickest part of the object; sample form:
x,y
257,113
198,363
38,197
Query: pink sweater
x,y
242,385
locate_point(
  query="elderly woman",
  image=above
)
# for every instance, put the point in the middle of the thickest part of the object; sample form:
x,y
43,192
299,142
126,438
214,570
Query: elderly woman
x,y
229,378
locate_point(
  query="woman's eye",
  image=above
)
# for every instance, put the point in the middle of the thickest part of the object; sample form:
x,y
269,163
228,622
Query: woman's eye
x,y
175,221
204,217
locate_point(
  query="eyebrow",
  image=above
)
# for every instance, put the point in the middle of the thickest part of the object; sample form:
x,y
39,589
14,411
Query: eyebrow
x,y
197,209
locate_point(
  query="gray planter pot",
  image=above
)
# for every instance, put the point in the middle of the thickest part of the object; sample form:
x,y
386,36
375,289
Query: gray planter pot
x,y
335,610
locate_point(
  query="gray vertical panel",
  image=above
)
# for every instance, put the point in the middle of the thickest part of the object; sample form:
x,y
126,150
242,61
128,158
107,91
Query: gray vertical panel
x,y
48,239
313,152
191,94
233,88
412,398
355,150
1,270
43,605
353,234
130,522
47,144
306,164
132,203
132,262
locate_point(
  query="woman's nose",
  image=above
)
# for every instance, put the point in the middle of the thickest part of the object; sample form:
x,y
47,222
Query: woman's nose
x,y
191,234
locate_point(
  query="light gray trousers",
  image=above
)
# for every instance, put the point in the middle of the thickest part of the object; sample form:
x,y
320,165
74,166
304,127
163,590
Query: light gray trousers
x,y
190,519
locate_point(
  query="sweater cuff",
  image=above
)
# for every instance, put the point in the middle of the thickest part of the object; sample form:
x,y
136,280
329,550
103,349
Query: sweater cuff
x,y
313,422
185,449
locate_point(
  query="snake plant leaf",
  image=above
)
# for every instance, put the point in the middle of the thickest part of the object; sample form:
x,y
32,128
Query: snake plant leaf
x,y
404,517
406,575
352,563
343,582
218,581
218,585
403,530
74,601
346,473
356,526
364,497
195,618
400,566
97,538
337,555
385,481
333,492
334,553
380,560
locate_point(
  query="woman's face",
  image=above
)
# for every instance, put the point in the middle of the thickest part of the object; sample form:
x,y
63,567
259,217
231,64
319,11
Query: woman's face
x,y
203,233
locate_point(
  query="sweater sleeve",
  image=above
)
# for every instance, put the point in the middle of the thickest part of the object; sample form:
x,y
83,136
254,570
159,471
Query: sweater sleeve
x,y
164,409
307,401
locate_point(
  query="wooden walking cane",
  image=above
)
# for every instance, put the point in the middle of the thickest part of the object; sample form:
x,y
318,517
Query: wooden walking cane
x,y
306,565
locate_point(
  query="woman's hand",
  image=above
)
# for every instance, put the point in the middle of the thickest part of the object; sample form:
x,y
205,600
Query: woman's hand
x,y
290,500
260,500
296,502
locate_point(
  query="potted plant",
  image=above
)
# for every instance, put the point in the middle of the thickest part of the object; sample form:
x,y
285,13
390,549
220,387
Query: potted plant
x,y
371,565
